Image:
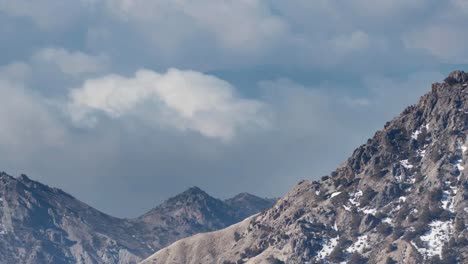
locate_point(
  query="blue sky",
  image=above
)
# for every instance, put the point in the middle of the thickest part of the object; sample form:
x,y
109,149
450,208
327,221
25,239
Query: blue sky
x,y
125,103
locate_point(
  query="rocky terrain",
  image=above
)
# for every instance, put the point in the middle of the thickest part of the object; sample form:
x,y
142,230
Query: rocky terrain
x,y
400,198
40,224
194,211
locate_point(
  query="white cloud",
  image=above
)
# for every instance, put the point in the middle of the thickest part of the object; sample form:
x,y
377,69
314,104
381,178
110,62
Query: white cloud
x,y
72,63
16,71
238,26
356,102
386,93
185,100
384,8
139,118
47,14
298,108
446,42
460,5
355,41
26,124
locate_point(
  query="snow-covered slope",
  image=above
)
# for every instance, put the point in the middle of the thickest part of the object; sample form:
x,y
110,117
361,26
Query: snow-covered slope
x,y
400,198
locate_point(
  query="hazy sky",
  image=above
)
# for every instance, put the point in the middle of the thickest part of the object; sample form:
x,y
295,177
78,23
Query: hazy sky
x,y
124,103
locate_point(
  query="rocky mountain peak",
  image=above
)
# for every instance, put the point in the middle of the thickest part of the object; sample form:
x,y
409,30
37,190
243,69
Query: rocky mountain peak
x,y
246,204
5,176
193,192
40,224
192,198
457,77
194,189
245,196
24,178
400,198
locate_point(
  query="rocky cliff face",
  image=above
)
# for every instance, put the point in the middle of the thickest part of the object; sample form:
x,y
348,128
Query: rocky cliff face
x,y
39,224
400,198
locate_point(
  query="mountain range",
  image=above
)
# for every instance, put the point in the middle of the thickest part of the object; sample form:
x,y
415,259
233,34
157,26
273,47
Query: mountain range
x,y
400,198
40,224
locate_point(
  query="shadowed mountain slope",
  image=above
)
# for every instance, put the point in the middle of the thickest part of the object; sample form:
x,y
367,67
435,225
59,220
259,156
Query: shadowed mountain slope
x,y
40,224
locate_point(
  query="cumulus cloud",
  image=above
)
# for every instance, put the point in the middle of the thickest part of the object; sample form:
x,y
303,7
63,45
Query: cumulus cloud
x,y
460,5
72,63
211,35
335,71
48,14
357,40
383,8
26,123
185,100
16,71
235,25
446,42
135,155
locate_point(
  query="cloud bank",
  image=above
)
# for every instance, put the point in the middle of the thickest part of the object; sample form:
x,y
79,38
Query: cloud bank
x,y
185,100
97,98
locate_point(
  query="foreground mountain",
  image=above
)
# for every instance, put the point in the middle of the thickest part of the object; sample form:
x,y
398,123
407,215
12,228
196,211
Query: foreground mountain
x,y
39,224
400,198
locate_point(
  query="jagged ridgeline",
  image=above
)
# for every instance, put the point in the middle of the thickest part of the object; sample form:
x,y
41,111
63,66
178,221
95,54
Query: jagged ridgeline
x,y
44,225
400,198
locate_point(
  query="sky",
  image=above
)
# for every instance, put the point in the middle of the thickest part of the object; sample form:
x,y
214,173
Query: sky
x,y
124,103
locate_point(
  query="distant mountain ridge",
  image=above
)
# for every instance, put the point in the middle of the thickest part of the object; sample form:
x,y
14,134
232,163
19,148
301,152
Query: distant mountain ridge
x,y
400,198
40,224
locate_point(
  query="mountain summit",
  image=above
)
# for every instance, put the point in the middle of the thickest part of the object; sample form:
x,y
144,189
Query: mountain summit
x,y
40,224
457,77
194,211
400,198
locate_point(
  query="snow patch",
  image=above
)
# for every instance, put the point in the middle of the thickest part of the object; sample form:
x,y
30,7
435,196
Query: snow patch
x,y
388,221
328,247
422,152
448,201
355,197
368,210
334,194
459,166
416,134
371,211
418,131
435,238
448,198
405,163
360,244
2,229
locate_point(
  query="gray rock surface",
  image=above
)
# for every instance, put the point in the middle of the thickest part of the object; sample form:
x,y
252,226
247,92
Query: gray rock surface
x,y
400,198
40,224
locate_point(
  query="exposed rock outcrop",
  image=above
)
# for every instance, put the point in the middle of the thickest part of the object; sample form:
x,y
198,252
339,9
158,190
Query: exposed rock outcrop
x,y
400,198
